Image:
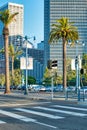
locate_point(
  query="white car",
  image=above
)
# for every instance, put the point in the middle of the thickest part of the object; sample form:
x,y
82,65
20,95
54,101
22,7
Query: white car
x,y
84,89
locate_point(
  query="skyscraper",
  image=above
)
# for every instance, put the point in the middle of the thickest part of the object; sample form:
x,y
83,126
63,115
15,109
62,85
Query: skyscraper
x,y
16,27
76,11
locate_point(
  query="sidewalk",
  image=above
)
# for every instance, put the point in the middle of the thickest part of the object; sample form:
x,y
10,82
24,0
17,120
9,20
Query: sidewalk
x,y
20,98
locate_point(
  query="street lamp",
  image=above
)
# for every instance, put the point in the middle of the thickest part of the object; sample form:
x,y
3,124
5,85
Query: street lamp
x,y
77,63
26,43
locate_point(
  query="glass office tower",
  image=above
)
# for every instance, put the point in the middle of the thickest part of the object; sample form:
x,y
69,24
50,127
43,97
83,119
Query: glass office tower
x,y
76,11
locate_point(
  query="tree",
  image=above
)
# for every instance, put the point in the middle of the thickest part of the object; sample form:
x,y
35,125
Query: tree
x,y
13,53
31,80
17,77
2,79
47,77
6,18
65,30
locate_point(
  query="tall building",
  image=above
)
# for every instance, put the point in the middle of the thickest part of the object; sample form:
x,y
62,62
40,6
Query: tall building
x,y
76,11
16,27
38,61
40,45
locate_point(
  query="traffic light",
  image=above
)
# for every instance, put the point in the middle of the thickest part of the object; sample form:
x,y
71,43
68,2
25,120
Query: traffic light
x,y
54,63
82,71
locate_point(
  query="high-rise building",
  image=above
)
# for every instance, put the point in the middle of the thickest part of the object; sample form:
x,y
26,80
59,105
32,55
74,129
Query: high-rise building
x,y
40,45
16,27
38,61
76,11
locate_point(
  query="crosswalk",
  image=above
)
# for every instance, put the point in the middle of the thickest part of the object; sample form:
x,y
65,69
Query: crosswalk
x,y
51,112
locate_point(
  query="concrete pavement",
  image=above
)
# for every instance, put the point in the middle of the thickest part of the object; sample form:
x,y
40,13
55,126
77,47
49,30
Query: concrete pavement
x,y
18,98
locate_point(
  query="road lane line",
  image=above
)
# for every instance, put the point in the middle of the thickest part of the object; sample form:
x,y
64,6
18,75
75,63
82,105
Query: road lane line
x,y
46,125
23,118
39,113
68,107
61,111
2,122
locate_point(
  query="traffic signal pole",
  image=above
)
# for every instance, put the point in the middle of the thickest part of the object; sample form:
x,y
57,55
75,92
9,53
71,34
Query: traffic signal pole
x,y
77,62
79,78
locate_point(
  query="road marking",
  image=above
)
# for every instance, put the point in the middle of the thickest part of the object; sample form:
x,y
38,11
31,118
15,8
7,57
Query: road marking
x,y
23,118
39,113
46,125
2,122
18,104
61,111
74,108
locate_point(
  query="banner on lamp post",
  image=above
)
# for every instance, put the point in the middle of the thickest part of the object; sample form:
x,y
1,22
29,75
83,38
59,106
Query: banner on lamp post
x,y
73,64
23,65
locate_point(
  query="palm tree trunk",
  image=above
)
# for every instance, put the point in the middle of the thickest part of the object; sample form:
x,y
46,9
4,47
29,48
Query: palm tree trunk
x,y
6,34
64,64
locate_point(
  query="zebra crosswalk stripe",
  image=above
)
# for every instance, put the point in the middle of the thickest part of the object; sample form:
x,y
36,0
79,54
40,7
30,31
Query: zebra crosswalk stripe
x,y
62,111
2,122
68,107
23,118
39,113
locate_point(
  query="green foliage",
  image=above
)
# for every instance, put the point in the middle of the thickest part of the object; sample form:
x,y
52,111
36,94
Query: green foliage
x,y
31,80
2,79
47,73
47,77
6,17
71,78
16,63
17,77
63,29
57,79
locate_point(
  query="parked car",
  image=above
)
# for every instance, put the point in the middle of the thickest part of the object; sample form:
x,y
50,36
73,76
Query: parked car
x,y
42,89
34,88
84,89
48,88
71,88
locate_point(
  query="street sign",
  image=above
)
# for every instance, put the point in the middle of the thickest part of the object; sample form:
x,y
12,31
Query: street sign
x,y
23,65
73,64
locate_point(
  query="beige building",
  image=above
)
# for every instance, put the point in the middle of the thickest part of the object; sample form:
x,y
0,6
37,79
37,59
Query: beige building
x,y
15,28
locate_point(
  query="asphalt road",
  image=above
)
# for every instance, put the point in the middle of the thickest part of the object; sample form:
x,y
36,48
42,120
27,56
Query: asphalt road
x,y
25,114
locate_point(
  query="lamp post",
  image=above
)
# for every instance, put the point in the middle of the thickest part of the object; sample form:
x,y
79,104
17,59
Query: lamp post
x,y
77,62
26,43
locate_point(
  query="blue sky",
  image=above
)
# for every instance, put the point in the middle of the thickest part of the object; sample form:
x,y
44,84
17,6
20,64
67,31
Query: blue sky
x,y
33,17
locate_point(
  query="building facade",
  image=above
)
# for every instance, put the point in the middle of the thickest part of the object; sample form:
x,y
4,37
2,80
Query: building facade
x,y
16,27
76,11
38,62
40,45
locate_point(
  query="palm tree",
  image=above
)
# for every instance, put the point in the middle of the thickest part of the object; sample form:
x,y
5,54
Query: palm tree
x,y
65,30
6,18
13,53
